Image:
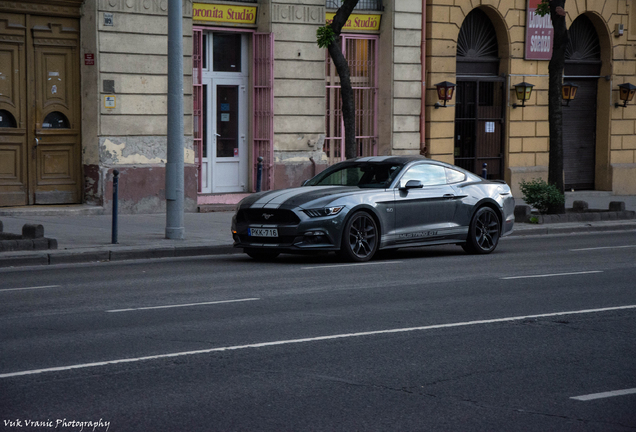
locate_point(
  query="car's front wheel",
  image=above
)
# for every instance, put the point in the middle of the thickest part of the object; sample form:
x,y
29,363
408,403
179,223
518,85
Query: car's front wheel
x,y
483,234
360,238
261,255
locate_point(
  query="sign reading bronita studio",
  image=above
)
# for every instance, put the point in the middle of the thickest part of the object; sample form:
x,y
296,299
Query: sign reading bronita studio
x,y
231,14
539,34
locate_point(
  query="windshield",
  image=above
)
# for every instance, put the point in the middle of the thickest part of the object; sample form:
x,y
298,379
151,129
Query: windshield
x,y
363,174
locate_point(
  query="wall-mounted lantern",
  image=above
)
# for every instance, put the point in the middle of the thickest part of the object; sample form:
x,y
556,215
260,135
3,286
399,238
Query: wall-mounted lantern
x,y
626,93
445,92
523,91
568,91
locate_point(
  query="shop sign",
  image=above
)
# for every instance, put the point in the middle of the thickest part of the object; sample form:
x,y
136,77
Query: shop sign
x,y
358,22
230,14
539,34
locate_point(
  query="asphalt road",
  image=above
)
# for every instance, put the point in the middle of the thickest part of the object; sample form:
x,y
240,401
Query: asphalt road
x,y
538,336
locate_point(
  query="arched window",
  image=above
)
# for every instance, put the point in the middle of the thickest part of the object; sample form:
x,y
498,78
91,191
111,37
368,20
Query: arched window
x,y
56,120
7,120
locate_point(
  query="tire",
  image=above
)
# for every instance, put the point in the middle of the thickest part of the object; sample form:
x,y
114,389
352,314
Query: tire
x,y
484,232
360,238
261,255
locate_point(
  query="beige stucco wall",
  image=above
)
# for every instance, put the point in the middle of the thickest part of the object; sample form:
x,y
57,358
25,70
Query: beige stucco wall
x,y
406,18
133,53
299,82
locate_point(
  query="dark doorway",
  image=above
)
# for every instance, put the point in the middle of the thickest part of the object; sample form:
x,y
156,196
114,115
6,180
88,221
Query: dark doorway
x,y
479,111
582,67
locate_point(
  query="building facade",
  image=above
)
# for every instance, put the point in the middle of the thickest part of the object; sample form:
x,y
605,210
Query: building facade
x,y
83,91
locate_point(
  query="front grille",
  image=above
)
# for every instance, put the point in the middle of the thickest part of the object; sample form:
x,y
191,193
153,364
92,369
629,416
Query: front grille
x,y
283,240
268,216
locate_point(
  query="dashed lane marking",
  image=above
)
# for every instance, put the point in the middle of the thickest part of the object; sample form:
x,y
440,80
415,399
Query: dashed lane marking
x,y
306,340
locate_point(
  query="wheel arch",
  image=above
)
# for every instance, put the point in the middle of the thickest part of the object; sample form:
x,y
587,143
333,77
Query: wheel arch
x,y
489,202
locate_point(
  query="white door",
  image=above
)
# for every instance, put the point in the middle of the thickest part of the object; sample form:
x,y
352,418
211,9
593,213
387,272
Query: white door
x,y
229,135
225,83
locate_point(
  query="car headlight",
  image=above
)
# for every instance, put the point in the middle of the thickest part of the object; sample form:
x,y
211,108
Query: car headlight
x,y
327,211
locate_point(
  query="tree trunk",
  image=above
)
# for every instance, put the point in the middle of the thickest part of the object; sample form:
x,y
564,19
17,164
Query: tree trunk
x,y
342,67
555,109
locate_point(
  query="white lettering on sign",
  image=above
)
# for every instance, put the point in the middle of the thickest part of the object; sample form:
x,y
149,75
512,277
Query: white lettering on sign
x,y
540,44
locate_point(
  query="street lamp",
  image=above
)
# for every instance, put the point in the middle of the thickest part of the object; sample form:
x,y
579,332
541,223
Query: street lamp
x,y
445,91
568,91
626,94
523,91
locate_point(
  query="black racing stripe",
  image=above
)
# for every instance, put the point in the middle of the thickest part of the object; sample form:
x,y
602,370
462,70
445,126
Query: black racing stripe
x,y
310,195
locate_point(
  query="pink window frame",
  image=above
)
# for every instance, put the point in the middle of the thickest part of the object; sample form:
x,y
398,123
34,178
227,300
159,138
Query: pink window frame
x,y
262,98
374,87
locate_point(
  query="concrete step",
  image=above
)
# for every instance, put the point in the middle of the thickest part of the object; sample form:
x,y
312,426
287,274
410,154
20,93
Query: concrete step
x,y
53,210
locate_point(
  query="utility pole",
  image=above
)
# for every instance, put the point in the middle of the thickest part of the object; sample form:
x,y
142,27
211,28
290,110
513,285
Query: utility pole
x,y
174,164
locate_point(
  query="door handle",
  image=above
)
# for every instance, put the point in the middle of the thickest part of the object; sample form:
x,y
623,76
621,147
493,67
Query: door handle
x,y
449,196
37,142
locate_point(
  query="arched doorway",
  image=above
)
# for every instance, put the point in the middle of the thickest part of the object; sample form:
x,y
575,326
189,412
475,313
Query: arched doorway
x,y
480,98
582,67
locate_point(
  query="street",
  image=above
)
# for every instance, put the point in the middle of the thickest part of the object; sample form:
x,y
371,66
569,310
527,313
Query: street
x,y
537,336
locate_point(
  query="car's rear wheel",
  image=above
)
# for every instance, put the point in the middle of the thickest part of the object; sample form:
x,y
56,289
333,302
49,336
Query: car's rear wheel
x,y
261,255
360,238
483,234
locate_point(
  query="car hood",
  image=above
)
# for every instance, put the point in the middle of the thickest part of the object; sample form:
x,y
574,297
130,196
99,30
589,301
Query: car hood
x,y
304,196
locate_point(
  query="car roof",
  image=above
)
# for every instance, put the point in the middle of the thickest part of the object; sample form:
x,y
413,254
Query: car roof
x,y
395,160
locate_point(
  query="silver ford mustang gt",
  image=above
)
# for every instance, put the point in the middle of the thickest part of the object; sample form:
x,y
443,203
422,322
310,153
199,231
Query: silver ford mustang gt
x,y
363,205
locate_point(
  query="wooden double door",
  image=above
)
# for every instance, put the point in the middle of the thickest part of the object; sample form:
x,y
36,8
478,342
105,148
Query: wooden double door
x,y
40,148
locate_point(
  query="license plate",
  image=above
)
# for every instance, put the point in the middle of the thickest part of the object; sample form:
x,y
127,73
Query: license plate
x,y
262,232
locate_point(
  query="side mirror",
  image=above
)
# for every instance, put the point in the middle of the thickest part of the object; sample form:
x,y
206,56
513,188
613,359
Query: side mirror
x,y
413,184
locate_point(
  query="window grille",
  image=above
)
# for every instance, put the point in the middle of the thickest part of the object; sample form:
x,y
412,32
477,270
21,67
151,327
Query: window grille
x,y
375,5
362,55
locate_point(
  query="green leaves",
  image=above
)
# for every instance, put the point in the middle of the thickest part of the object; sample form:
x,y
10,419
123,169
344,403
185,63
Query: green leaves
x,y
325,36
540,195
543,8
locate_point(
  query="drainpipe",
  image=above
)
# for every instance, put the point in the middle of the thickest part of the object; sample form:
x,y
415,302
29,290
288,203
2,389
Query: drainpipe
x,y
423,98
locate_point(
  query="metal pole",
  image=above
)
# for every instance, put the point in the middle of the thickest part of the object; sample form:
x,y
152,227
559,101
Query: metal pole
x,y
174,165
484,170
259,173
115,205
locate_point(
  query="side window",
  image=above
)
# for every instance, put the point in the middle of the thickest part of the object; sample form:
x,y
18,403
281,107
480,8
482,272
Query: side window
x,y
429,175
454,176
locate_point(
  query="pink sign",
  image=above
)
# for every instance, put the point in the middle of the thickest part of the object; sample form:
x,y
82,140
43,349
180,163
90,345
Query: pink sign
x,y
89,59
539,34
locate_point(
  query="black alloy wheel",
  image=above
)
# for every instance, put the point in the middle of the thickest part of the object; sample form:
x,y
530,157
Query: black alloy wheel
x,y
261,255
483,235
360,238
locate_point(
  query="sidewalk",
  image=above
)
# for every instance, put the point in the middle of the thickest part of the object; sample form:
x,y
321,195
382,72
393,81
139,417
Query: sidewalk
x,y
83,233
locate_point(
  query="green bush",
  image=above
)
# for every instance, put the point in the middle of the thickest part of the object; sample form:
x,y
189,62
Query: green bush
x,y
541,195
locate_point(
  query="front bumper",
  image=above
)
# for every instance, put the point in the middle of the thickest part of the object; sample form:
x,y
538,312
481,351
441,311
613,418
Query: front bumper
x,y
309,234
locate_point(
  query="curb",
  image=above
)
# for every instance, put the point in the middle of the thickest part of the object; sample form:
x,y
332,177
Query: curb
x,y
555,229
53,257
123,254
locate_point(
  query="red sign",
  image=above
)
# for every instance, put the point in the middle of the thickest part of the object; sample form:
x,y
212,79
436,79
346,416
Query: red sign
x,y
539,34
89,59
235,152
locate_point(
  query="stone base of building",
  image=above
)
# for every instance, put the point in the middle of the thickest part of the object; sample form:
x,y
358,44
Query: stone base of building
x,y
141,189
517,174
624,179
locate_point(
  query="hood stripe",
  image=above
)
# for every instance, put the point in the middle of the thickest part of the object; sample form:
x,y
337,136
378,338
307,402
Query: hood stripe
x,y
278,198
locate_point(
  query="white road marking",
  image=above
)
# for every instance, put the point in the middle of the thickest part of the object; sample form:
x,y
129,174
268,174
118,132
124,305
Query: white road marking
x,y
553,274
183,305
605,394
350,265
310,339
29,288
604,247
